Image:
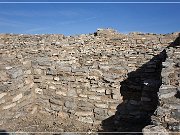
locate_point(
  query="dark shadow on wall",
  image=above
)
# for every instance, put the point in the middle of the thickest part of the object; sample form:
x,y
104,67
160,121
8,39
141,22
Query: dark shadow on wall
x,y
140,98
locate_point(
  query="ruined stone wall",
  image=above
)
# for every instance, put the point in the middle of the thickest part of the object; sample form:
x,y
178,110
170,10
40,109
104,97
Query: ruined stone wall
x,y
79,77
167,113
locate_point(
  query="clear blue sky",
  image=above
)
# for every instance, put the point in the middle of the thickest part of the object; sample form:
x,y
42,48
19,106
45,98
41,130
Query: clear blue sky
x,y
70,19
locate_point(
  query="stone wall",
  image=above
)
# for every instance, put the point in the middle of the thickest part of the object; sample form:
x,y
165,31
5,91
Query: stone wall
x,y
83,77
168,112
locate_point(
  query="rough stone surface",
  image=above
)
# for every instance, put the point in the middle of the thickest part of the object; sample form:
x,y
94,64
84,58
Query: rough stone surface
x,y
155,130
91,78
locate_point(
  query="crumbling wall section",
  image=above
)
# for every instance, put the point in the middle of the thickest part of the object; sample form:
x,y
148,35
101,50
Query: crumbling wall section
x,y
168,112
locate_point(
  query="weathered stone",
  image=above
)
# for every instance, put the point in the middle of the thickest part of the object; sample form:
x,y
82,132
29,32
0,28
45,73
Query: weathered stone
x,y
51,71
111,112
18,97
9,106
83,113
108,92
2,101
113,106
52,87
56,107
72,93
3,76
56,101
100,105
63,69
2,95
100,111
156,130
83,95
62,93
38,91
85,119
56,78
43,61
4,88
27,64
28,72
63,115
37,71
15,72
93,97
85,104
173,106
117,96
100,90
70,105
166,95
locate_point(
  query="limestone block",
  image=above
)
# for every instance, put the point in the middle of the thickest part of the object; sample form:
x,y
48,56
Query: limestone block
x,y
15,72
2,95
83,113
100,90
95,72
86,104
52,87
63,69
117,96
27,64
18,97
63,115
62,93
166,95
38,71
43,61
173,106
108,91
27,72
93,97
70,104
3,76
100,111
72,93
161,111
83,95
101,105
85,119
9,106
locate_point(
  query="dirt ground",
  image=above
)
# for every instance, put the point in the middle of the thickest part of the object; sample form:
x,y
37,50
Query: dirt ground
x,y
50,124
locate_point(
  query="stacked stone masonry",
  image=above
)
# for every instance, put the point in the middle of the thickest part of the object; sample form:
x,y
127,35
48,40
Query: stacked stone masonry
x,y
86,77
168,112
